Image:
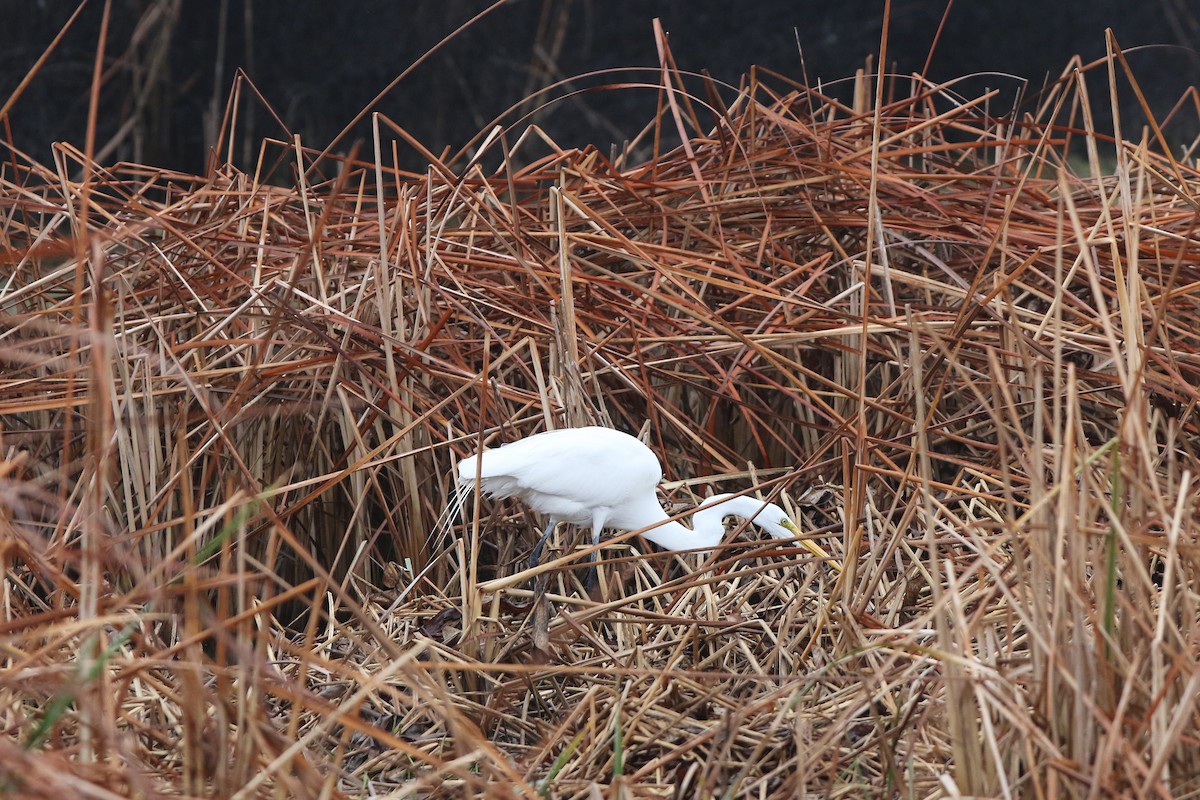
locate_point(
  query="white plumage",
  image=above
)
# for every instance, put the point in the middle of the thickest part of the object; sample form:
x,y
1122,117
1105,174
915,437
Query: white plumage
x,y
608,479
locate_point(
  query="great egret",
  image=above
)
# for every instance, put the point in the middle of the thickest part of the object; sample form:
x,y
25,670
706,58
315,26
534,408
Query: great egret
x,y
608,479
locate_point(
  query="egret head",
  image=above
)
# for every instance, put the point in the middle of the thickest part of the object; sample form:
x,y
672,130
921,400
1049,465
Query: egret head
x,y
783,528
768,516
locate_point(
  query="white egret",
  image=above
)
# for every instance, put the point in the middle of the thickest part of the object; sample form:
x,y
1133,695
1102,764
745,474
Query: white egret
x,y
608,479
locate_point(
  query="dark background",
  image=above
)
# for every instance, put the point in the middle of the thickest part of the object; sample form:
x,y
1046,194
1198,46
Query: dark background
x,y
170,64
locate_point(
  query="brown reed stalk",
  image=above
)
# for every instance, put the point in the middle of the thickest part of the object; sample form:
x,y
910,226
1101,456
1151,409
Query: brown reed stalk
x,y
969,371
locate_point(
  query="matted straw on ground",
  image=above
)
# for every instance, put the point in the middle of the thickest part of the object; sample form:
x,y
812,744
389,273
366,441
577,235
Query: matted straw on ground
x,y
230,410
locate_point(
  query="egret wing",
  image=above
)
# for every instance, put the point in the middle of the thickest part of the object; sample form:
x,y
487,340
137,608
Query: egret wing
x,y
586,466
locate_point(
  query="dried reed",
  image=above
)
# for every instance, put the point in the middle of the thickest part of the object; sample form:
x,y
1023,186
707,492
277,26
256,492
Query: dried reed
x,y
230,408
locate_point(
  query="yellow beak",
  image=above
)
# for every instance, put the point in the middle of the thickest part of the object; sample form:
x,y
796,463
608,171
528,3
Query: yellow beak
x,y
810,545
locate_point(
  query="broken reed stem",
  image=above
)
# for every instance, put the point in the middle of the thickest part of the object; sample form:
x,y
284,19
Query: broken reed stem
x,y
969,373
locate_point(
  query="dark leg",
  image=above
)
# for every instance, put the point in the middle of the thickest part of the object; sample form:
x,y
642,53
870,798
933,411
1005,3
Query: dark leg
x,y
593,571
536,555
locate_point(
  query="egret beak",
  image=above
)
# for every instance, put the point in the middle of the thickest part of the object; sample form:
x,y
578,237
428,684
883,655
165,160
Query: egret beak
x,y
809,544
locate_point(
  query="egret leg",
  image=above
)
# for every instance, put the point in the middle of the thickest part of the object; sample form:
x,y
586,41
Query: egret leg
x,y
536,555
593,572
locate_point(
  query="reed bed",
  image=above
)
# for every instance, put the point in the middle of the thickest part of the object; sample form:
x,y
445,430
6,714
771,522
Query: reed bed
x,y
231,402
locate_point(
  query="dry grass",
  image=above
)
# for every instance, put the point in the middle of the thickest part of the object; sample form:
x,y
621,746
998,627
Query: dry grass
x,y
230,408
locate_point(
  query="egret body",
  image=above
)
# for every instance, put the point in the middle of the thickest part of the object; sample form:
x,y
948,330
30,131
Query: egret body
x,y
608,479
